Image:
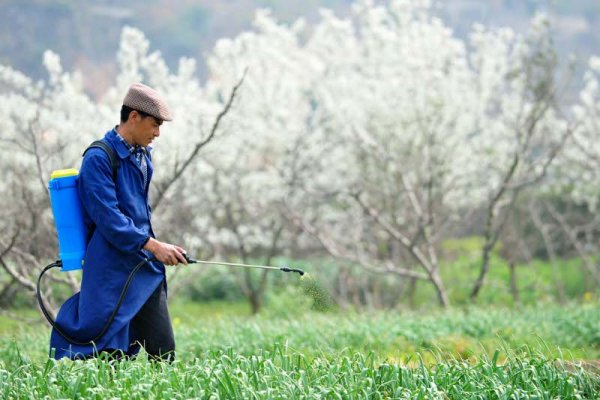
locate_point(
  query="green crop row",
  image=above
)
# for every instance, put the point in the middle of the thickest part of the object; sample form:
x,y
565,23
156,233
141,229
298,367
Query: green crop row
x,y
546,351
278,373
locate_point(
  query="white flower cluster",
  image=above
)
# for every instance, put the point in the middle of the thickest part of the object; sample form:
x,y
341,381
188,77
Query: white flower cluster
x,y
577,171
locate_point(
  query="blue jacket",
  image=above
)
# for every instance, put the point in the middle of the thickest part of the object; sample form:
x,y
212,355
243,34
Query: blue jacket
x,y
117,218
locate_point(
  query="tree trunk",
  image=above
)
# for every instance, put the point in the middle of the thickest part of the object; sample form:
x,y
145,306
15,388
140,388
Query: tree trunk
x,y
255,302
412,290
343,289
514,290
7,296
548,244
255,293
436,280
485,266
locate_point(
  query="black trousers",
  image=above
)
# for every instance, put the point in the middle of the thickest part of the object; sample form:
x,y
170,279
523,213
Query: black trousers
x,y
152,329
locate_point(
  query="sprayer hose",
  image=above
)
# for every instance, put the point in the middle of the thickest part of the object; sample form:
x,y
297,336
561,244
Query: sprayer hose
x,y
58,263
110,319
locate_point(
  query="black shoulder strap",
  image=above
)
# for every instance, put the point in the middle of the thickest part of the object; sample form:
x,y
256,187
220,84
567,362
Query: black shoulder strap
x,y
114,161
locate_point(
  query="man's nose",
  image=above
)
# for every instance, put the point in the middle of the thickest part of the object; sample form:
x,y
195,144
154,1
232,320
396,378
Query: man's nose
x,y
157,132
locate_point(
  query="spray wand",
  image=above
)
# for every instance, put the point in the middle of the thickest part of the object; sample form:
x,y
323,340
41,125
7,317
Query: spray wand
x,y
284,269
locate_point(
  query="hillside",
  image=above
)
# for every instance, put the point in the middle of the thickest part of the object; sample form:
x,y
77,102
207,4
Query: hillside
x,y
86,34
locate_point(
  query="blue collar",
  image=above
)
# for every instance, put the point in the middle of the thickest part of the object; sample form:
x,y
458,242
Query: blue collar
x,y
121,146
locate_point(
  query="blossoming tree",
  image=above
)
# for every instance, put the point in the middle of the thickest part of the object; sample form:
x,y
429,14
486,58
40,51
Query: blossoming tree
x,y
372,137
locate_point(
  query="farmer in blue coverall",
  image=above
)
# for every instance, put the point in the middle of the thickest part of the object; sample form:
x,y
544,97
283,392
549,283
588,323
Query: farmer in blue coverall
x,y
117,218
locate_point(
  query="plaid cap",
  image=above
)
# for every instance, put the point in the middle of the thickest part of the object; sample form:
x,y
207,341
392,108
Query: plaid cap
x,y
143,98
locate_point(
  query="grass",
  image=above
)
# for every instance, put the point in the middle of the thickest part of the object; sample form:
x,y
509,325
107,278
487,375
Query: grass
x,y
474,353
278,372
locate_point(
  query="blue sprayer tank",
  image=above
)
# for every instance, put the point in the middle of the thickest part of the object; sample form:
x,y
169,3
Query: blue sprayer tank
x,y
68,217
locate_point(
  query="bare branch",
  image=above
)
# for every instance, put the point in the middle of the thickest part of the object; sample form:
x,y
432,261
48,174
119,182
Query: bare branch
x,y
36,153
587,261
550,250
162,189
547,162
23,281
341,254
11,244
397,235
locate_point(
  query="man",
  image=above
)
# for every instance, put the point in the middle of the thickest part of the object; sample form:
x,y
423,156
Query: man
x,y
117,217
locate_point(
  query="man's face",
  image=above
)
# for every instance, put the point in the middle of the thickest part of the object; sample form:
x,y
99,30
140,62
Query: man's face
x,y
144,129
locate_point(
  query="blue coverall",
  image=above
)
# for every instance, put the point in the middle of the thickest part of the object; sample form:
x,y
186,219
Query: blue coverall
x,y
117,217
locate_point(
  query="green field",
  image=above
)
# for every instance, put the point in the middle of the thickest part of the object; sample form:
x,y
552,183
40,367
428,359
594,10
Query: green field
x,y
546,351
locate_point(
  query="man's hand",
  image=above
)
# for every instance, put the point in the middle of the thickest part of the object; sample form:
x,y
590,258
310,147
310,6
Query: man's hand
x,y
166,253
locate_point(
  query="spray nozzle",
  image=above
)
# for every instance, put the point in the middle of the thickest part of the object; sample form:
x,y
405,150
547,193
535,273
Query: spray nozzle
x,y
287,269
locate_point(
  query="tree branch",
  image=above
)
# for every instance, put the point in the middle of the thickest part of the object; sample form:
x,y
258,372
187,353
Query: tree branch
x,y
338,253
162,189
588,263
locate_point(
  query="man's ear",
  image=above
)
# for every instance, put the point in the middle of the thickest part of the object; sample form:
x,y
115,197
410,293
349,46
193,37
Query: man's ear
x,y
134,116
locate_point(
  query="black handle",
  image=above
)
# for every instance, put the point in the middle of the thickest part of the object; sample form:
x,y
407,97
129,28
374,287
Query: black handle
x,y
189,260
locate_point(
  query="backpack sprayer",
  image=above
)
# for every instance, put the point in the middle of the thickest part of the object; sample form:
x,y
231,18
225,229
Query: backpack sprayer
x,y
68,216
